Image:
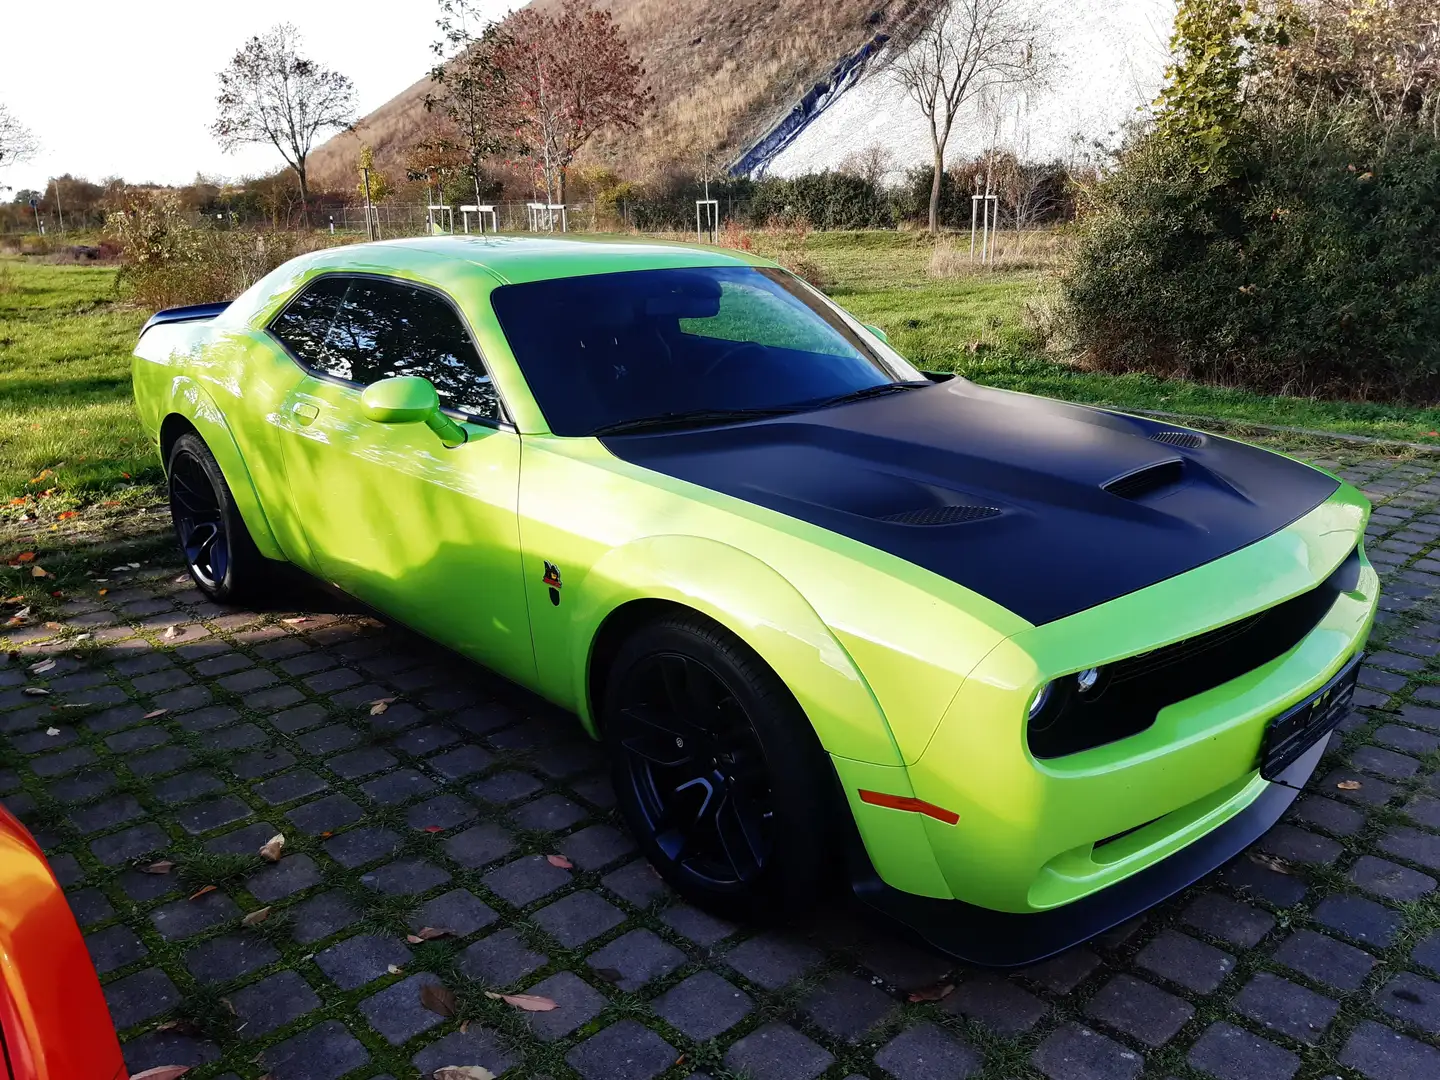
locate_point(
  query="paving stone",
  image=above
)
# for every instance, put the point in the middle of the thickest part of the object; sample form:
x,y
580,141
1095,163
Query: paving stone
x,y
699,926
84,785
201,817
1299,845
526,879
396,1012
114,947
245,840
1427,953
846,1007
149,992
548,813
1251,879
360,846
1240,924
326,1051
1384,763
157,762
474,1045
1382,1054
1424,810
1390,880
1061,974
58,764
292,874
997,1003
328,740
1413,1000
623,1051
300,718
358,960
1371,792
479,845
322,915
107,814
364,761
926,1052
155,1049
505,787
440,813
1183,960
186,697
228,957
324,815
123,846
1325,960
1140,1010
501,959
1073,1052
580,917
578,1003
186,786
458,911
260,763
778,1052
637,957
89,906
1328,814
1232,1053
636,882
460,763
424,740
397,787
1414,845
1407,740
773,960
186,918
404,877
289,786
596,846
208,719
1282,1006
142,738
1359,919
704,1005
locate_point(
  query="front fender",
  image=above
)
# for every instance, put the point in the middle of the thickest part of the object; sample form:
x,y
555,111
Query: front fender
x,y
760,607
188,398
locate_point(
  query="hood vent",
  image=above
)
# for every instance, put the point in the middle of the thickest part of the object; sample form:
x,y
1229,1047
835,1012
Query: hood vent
x,y
942,515
1142,482
1190,439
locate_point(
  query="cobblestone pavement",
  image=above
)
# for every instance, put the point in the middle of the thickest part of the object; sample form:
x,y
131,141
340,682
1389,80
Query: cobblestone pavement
x,y
186,732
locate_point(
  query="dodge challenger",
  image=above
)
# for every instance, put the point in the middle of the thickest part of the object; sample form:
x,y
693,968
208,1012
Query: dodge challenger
x,y
1015,669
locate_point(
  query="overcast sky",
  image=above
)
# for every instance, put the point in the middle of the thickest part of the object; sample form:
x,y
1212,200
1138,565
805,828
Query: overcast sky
x,y
129,89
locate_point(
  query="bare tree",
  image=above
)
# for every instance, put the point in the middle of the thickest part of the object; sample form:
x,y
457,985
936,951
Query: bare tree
x,y
872,164
17,142
958,49
469,87
269,93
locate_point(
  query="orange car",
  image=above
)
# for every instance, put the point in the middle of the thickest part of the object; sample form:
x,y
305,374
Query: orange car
x,y
54,1024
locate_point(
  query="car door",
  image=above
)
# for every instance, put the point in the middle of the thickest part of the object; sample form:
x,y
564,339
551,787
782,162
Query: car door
x,y
425,533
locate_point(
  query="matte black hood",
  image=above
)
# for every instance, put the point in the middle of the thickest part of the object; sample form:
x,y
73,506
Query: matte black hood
x,y
1044,507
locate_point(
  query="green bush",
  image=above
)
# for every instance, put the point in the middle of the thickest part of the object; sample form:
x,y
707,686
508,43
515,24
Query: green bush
x,y
826,200
1309,265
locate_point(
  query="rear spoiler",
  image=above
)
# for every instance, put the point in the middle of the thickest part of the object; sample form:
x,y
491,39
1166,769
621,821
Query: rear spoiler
x,y
193,313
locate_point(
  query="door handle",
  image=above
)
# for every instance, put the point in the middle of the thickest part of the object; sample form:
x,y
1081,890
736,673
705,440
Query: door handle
x,y
304,412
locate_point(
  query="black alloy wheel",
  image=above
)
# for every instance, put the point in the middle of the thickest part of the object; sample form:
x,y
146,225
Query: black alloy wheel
x,y
199,522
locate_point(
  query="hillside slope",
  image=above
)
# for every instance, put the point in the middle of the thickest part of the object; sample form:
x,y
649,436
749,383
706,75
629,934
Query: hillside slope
x,y
721,73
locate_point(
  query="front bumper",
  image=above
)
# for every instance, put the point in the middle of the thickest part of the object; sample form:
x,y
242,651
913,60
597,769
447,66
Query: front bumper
x,y
993,938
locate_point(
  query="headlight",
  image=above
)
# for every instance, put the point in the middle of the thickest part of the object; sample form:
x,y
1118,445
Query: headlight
x,y
1041,699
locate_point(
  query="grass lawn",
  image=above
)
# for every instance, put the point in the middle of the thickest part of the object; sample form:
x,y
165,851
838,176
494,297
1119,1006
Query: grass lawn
x,y
68,428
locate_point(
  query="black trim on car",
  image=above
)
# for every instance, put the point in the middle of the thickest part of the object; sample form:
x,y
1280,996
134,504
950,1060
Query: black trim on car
x,y
504,423
190,313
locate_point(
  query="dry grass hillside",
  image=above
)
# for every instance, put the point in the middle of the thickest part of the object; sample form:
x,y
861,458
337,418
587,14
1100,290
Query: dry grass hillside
x,y
720,72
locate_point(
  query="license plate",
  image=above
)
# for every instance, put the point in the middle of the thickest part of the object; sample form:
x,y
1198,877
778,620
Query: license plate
x,y
1293,732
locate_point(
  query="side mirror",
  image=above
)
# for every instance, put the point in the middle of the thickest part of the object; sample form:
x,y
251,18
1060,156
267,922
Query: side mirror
x,y
408,399
877,332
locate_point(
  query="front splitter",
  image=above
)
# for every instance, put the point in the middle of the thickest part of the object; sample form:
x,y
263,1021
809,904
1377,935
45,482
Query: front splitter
x,y
991,938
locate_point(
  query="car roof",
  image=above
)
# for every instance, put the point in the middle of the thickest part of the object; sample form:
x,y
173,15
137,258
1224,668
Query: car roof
x,y
534,258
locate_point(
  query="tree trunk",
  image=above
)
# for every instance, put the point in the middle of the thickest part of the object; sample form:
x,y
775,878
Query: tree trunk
x,y
304,195
563,172
939,172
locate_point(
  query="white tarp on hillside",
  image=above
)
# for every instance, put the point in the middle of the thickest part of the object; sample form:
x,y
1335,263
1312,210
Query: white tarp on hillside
x,y
1112,55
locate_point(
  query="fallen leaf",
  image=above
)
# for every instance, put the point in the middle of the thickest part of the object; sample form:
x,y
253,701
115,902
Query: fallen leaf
x,y
1271,862
161,1072
393,970
154,713
326,835
463,1072
380,705
933,992
561,861
66,514
42,667
1348,785
52,731
256,917
433,828
430,933
39,571
610,975
54,626
202,891
36,691
172,631
182,579
438,999
297,620
164,866
25,556
104,591
270,850
13,600
180,1027
464,1026
528,1002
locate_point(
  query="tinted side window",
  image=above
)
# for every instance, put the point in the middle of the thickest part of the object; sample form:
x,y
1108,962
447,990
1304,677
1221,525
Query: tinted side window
x,y
380,329
304,325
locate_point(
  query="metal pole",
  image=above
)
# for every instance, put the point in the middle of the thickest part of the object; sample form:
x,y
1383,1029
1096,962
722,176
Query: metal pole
x,y
974,204
60,213
370,229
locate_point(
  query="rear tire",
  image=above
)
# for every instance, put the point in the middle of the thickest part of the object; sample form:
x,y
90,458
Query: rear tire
x,y
717,771
220,555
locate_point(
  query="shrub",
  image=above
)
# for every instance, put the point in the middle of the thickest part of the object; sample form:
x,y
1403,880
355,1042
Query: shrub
x,y
827,200
1309,265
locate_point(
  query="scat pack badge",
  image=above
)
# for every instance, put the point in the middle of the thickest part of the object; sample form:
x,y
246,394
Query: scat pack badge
x,y
552,580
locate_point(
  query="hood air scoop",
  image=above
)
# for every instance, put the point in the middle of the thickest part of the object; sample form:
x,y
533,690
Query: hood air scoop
x,y
942,515
1151,478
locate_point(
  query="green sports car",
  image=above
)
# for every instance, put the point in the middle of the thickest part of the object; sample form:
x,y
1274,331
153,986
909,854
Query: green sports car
x,y
1017,669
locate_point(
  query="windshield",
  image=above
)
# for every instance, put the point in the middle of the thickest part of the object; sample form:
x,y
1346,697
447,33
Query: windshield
x,y
606,349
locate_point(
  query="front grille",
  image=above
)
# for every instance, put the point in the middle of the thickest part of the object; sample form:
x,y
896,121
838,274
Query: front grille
x,y
942,515
1131,692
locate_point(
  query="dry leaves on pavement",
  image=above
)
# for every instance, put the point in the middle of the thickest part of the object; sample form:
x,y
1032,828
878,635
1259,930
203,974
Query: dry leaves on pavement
x,y
438,999
528,1002
271,850
561,861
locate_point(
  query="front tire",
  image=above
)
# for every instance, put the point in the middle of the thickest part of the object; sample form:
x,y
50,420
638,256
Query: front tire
x,y
717,771
218,551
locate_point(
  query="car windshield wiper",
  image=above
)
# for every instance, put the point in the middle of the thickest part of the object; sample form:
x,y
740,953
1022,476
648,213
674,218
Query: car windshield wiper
x,y
868,392
690,418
